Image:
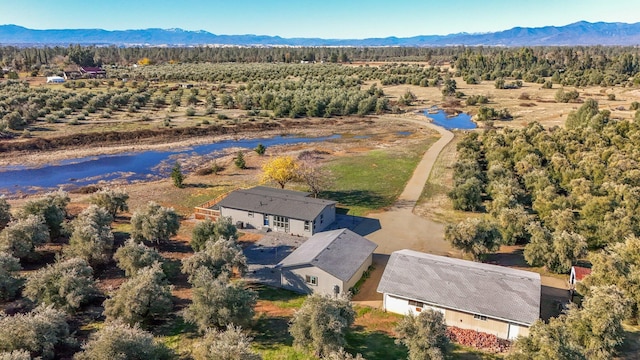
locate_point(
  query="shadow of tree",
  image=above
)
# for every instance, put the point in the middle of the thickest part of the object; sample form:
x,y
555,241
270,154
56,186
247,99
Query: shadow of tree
x,y
513,258
374,344
196,185
275,294
551,301
271,330
361,198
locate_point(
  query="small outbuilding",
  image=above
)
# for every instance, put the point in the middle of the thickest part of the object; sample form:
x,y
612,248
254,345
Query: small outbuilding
x,y
577,274
55,79
329,263
288,211
487,298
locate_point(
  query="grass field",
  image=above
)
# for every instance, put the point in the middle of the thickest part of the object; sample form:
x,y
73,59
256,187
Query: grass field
x,y
373,180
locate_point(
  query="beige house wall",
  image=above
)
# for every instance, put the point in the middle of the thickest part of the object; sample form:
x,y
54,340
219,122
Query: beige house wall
x,y
255,220
358,274
294,279
457,318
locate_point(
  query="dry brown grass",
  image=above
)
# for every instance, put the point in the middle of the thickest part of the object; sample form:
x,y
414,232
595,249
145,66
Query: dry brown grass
x,y
545,111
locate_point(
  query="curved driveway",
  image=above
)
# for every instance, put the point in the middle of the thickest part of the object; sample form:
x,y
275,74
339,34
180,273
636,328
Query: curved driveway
x,y
400,227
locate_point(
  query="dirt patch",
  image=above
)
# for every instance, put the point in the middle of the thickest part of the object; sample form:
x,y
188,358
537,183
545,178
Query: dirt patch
x,y
271,310
375,320
248,238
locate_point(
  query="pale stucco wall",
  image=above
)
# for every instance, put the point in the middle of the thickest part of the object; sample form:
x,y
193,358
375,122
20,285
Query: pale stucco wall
x,y
460,319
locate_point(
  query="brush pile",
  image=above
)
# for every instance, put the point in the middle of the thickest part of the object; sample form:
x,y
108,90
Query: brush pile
x,y
478,340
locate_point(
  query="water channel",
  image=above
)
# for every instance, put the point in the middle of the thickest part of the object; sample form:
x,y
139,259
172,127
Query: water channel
x,y
441,118
126,167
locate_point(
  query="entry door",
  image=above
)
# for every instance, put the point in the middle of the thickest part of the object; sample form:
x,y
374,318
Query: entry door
x,y
514,330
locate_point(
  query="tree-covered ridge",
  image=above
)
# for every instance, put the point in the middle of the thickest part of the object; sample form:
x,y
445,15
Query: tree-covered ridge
x,y
555,189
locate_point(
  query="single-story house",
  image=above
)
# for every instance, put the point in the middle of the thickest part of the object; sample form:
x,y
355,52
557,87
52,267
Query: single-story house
x,y
487,298
329,263
578,273
288,211
55,79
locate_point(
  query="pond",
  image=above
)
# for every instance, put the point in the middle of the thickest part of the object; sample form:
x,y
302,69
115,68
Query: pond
x,y
440,118
127,167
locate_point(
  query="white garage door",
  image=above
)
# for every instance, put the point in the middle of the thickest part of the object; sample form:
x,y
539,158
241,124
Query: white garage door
x,y
514,330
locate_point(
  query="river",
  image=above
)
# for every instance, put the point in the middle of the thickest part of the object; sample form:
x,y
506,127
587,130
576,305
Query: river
x,y
126,167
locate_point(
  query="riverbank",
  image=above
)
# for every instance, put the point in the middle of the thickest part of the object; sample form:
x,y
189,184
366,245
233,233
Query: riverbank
x,y
109,145
356,135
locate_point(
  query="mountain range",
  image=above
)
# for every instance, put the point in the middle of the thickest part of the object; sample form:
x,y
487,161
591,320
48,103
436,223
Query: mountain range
x,y
579,33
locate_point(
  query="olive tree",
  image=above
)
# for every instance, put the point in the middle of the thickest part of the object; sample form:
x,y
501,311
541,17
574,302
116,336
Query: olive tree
x,y
341,354
15,355
320,324
133,256
154,223
551,340
113,200
91,238
231,344
475,237
617,264
556,251
65,284
597,327
22,235
208,230
38,332
220,257
145,296
120,341
218,302
10,282
52,207
513,224
424,335
591,332
5,212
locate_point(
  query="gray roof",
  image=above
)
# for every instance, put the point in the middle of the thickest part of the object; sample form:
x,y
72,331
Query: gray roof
x,y
338,252
272,201
494,291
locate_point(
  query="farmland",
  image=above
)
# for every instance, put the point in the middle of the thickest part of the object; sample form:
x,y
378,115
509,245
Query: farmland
x,y
180,104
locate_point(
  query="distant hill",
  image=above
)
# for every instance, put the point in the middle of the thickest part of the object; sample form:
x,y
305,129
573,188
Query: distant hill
x,y
580,33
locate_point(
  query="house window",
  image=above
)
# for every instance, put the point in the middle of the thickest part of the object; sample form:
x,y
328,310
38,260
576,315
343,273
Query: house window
x,y
480,317
307,225
250,214
266,220
311,280
281,222
417,304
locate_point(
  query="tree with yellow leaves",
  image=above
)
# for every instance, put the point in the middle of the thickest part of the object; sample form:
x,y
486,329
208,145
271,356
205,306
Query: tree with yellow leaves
x,y
281,169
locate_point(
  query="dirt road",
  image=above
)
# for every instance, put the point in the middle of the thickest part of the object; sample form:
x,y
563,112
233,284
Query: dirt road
x,y
400,227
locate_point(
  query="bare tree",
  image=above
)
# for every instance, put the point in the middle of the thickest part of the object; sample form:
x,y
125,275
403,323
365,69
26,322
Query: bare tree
x,y
312,173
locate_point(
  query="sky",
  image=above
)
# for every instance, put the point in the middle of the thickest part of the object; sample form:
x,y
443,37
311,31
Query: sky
x,y
329,19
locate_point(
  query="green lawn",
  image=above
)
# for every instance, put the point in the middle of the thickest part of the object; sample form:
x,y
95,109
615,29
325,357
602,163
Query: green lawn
x,y
371,181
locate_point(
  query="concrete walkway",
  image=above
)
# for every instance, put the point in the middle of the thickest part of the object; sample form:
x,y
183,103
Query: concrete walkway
x,y
400,227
